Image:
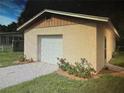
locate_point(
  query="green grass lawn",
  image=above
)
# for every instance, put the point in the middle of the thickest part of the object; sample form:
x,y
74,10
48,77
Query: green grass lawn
x,y
54,83
118,59
8,58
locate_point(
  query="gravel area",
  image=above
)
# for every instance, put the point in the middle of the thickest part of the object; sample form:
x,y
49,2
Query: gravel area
x,y
13,75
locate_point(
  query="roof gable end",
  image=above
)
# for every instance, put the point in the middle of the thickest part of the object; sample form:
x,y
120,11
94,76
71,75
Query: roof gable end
x,y
90,17
83,16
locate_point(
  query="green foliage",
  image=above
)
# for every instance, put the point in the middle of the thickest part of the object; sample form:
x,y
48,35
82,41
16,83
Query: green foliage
x,y
118,59
9,58
71,69
54,83
80,69
22,58
63,65
3,28
10,28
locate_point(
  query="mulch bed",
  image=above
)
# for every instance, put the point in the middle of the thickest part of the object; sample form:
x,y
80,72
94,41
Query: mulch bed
x,y
25,62
69,76
101,73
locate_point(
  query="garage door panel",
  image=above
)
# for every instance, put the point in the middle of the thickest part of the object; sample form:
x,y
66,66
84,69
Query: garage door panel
x,y
51,48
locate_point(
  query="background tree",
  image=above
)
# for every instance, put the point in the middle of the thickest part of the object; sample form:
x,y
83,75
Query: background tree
x,y
12,27
3,28
113,10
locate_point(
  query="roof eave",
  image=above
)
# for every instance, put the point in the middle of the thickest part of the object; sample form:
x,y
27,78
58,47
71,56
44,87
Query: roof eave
x,y
90,17
114,29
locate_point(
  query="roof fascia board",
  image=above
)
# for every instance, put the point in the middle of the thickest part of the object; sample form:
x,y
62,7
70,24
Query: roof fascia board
x,y
114,29
96,18
90,17
30,20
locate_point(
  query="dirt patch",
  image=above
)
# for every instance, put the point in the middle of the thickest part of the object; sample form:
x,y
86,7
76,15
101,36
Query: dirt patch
x,y
111,72
119,74
72,77
101,73
25,62
65,73
106,71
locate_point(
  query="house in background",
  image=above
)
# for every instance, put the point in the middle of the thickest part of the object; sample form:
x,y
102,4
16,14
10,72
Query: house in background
x,y
51,34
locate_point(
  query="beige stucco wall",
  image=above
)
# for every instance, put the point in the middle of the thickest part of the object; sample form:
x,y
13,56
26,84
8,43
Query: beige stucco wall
x,y
100,47
79,41
111,43
104,31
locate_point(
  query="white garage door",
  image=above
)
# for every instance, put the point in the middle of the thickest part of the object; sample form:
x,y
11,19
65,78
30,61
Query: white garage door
x,y
51,48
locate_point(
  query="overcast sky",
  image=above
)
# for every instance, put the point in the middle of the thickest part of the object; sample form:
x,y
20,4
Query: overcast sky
x,y
10,10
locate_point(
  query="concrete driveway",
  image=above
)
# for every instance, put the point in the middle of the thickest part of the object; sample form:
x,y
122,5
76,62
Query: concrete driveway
x,y
13,75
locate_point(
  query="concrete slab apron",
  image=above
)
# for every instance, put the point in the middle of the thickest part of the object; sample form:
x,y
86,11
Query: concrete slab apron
x,y
13,75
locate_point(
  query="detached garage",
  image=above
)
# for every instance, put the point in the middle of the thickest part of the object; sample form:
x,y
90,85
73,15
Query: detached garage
x,y
51,34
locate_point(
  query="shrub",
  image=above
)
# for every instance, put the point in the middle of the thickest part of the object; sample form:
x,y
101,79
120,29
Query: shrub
x,y
63,64
85,69
71,69
30,60
22,58
80,69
